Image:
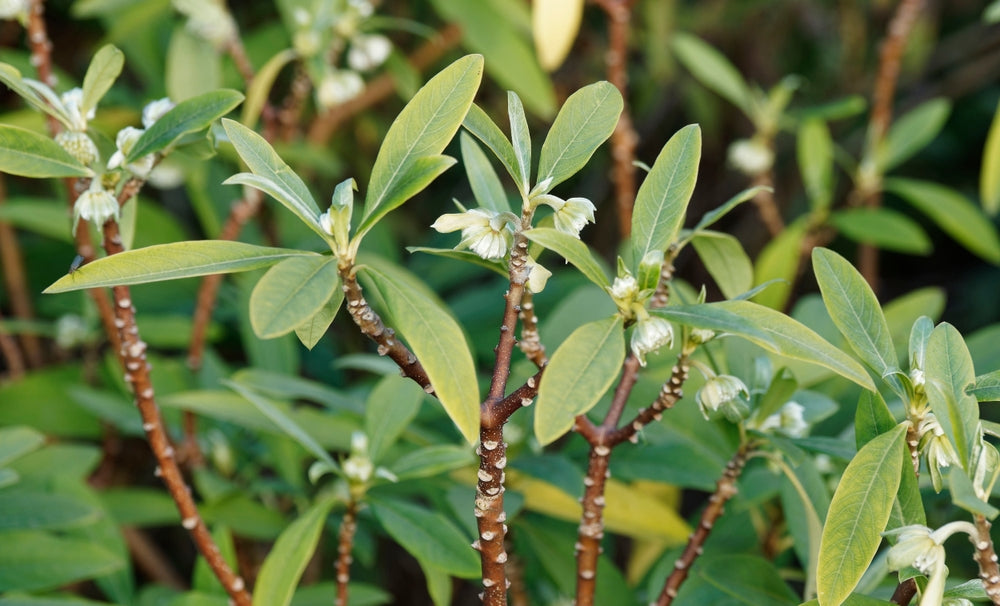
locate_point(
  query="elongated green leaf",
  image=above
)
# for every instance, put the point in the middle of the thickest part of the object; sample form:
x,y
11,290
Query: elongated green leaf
x,y
418,175
390,408
189,116
872,418
711,316
430,537
953,213
462,255
920,333
725,260
987,387
290,293
713,69
189,53
884,228
794,340
436,339
779,261
430,461
17,441
579,373
10,76
571,249
856,312
313,329
717,213
23,510
949,373
484,129
989,175
261,85
284,422
287,560
486,186
963,494
43,561
583,124
101,74
815,154
664,195
29,154
858,514
172,261
520,139
275,177
423,128
912,132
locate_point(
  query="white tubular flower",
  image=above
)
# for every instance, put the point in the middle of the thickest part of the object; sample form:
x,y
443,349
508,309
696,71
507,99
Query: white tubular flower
x,y
922,548
725,395
96,204
936,446
624,292
571,215
702,335
14,9
538,276
368,51
338,86
650,334
72,101
750,157
485,232
125,141
154,110
788,421
79,145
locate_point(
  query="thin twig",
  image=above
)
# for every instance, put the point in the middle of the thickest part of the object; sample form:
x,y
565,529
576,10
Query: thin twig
x,y
11,354
904,592
766,205
624,139
986,557
16,282
725,490
345,544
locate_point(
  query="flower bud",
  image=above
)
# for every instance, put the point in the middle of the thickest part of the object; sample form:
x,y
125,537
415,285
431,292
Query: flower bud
x,y
788,421
154,110
358,467
72,103
751,157
368,51
650,334
126,140
724,395
936,446
650,268
71,330
338,86
14,9
78,145
538,276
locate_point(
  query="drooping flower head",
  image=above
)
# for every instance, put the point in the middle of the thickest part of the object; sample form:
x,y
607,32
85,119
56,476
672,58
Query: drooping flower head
x,y
724,395
485,232
570,216
96,204
125,141
650,334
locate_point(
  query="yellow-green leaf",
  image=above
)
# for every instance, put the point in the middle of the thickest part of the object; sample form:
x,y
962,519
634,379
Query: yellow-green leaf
x,y
554,25
287,560
29,154
290,293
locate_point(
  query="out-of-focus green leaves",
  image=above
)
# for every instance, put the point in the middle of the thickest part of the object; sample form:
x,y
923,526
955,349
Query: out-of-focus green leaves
x,y
725,260
429,536
911,132
883,227
713,69
187,117
554,26
989,175
815,154
287,560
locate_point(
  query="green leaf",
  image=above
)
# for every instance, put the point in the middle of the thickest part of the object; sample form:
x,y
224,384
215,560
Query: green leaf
x,y
717,213
520,139
419,174
24,510
510,58
580,371
986,389
287,425
725,260
435,338
431,461
815,155
780,261
712,69
140,506
274,177
665,193
554,26
953,213
485,183
187,117
989,174
291,293
872,418
920,333
711,316
428,536
462,255
18,441
189,53
260,86
484,129
44,561
423,128
173,261
391,406
101,74
858,513
571,249
28,154
884,228
287,560
963,494
313,329
584,123
736,580
948,374
33,95
794,340
856,312
912,131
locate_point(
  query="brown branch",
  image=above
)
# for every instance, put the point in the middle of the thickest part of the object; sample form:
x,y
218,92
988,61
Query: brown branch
x,y
16,282
345,545
890,58
11,354
766,205
530,343
151,560
382,87
986,557
725,490
591,531
904,592
670,394
624,139
137,375
41,53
